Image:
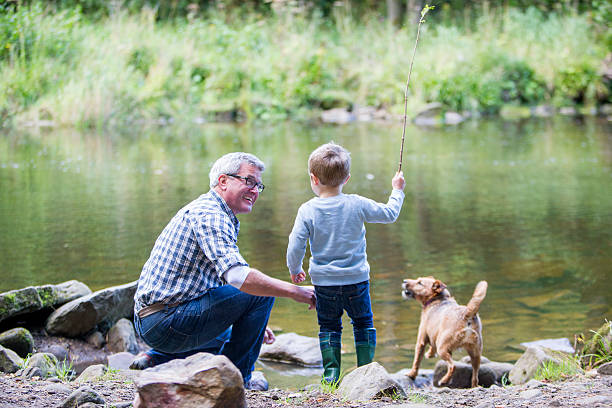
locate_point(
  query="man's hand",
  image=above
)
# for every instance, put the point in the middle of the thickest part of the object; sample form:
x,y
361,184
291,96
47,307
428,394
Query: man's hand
x,y
398,181
269,336
307,295
300,277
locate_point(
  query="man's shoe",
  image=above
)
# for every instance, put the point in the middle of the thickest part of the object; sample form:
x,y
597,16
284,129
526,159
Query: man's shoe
x,y
257,382
142,361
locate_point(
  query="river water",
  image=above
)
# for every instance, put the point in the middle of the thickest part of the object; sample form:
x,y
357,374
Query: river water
x,y
526,206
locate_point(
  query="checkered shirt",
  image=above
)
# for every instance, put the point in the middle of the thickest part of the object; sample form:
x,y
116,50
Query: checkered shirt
x,y
192,253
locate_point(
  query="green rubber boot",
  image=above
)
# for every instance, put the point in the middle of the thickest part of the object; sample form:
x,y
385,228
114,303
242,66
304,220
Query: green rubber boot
x,y
365,346
330,344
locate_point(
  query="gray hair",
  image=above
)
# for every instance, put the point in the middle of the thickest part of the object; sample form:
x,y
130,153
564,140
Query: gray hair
x,y
230,164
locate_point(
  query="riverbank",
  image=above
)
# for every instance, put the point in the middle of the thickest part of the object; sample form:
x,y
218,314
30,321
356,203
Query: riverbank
x,y
580,391
66,69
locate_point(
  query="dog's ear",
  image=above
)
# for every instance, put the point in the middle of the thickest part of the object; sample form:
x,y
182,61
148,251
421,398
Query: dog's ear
x,y
438,287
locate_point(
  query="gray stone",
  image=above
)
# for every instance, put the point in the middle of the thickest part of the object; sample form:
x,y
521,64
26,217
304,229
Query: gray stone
x,y
199,380
527,365
19,340
562,344
257,382
31,372
485,405
9,360
542,111
122,337
92,373
292,348
35,298
96,339
60,352
605,369
483,360
91,405
601,400
500,370
82,396
462,376
452,118
423,379
46,362
120,361
103,307
529,394
57,389
368,382
337,116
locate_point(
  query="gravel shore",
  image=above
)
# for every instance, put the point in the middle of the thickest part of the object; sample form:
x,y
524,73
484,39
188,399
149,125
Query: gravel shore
x,y
591,391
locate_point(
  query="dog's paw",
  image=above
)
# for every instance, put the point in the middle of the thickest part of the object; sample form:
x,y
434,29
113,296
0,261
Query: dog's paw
x,y
412,374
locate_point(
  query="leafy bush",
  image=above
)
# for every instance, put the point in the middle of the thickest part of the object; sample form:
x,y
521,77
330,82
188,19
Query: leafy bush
x,y
576,83
141,59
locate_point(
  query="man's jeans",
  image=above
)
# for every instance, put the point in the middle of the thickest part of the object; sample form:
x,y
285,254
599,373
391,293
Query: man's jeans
x,y
222,321
333,300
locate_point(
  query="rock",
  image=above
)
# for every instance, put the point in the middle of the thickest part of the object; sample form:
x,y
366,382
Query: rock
x,y
527,365
368,382
568,111
19,340
530,394
82,396
337,115
423,379
500,371
562,344
35,298
199,380
91,405
514,112
543,111
122,337
103,307
60,352
120,361
605,369
92,373
46,362
292,348
9,360
96,339
31,372
453,118
462,376
483,360
57,389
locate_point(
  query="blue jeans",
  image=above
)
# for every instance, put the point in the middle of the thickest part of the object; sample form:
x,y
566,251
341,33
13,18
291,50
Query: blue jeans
x,y
222,321
332,301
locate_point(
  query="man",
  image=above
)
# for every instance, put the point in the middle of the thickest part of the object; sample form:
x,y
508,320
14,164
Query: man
x,y
196,292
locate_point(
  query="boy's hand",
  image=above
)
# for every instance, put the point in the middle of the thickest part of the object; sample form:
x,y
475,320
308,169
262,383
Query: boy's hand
x,y
269,336
398,181
300,277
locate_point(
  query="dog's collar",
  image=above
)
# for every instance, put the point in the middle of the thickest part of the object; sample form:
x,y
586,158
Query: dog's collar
x,y
433,299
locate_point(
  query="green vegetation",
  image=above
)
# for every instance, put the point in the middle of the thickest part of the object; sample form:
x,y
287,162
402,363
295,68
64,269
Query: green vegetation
x,y
566,367
124,66
598,350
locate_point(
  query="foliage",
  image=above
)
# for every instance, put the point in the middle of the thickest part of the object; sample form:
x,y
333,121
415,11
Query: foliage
x,y
598,350
66,67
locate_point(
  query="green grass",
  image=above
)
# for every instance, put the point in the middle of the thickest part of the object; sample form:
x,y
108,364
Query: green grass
x,y
565,367
127,68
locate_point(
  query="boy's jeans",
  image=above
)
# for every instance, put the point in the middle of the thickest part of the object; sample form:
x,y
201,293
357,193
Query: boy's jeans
x,y
355,299
222,321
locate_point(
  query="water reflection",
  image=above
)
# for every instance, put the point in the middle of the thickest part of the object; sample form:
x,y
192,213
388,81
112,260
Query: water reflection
x,y
523,205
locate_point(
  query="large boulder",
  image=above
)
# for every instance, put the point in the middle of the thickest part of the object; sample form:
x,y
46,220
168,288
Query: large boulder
x,y
9,360
122,337
103,308
562,344
199,380
19,340
499,370
368,382
34,298
462,376
292,348
527,365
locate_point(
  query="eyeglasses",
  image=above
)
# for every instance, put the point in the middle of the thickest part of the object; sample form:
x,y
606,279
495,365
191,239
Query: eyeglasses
x,y
249,181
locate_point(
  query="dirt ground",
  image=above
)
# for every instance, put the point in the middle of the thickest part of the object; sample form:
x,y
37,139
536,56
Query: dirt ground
x,y
580,391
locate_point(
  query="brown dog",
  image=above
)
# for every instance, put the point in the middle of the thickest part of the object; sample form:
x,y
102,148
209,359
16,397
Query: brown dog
x,y
445,325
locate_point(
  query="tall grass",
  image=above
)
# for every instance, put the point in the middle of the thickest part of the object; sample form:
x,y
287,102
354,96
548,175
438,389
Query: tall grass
x,y
126,68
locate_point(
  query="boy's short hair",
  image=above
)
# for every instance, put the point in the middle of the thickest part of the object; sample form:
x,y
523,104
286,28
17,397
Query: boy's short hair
x,y
331,163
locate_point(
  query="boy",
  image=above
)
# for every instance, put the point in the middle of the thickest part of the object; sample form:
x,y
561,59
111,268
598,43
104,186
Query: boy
x,y
333,224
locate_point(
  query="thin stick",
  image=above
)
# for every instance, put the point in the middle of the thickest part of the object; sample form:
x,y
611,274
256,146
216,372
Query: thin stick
x,y
424,11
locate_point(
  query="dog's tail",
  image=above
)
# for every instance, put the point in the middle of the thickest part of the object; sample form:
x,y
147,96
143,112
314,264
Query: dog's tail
x,y
474,304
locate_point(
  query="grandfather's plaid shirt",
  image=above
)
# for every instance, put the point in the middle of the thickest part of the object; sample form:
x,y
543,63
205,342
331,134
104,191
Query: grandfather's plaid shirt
x,y
190,256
